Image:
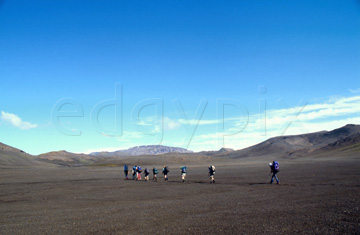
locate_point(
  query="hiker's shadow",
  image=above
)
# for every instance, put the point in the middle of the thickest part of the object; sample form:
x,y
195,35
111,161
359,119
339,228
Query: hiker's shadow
x,y
257,183
201,182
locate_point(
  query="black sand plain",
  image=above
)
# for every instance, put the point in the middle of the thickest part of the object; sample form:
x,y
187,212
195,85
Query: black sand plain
x,y
317,194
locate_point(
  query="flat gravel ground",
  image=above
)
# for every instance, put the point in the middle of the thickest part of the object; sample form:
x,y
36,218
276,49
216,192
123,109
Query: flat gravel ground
x,y
315,196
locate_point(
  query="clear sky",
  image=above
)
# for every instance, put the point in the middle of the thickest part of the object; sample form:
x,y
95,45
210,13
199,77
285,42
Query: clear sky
x,y
92,75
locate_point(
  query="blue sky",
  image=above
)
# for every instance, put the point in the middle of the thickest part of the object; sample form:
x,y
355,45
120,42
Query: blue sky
x,y
195,74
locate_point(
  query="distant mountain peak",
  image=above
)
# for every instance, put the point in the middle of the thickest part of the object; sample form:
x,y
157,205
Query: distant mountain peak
x,y
143,150
226,150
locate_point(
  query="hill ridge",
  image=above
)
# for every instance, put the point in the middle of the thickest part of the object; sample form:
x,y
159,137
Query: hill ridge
x,y
304,144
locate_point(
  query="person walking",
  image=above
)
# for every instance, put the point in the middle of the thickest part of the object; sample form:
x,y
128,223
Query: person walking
x,y
138,172
274,169
134,172
146,174
155,172
126,171
211,174
183,173
165,173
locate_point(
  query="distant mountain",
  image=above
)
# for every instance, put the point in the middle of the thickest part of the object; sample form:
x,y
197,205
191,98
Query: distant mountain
x,y
304,144
143,150
226,150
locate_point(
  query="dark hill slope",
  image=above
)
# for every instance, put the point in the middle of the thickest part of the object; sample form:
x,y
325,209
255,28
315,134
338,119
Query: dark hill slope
x,y
304,144
65,158
13,157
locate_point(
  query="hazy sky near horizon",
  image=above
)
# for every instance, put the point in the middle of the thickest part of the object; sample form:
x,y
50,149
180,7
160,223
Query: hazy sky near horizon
x,y
88,76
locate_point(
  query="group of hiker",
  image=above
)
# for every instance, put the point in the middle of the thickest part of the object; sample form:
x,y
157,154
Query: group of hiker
x,y
137,170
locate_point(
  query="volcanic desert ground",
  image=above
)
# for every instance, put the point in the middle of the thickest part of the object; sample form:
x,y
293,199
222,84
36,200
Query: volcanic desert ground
x,y
318,192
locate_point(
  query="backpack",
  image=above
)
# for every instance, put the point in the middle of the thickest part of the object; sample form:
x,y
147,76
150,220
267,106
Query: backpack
x,y
156,171
212,169
183,169
276,166
125,168
139,169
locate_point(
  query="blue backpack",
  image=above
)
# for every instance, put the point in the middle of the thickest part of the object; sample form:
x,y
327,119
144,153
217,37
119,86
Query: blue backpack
x,y
276,166
183,169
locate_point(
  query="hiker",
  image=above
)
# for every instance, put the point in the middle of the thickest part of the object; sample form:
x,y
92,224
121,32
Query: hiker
x,y
146,173
138,173
165,172
126,171
274,167
155,172
211,174
183,173
134,172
